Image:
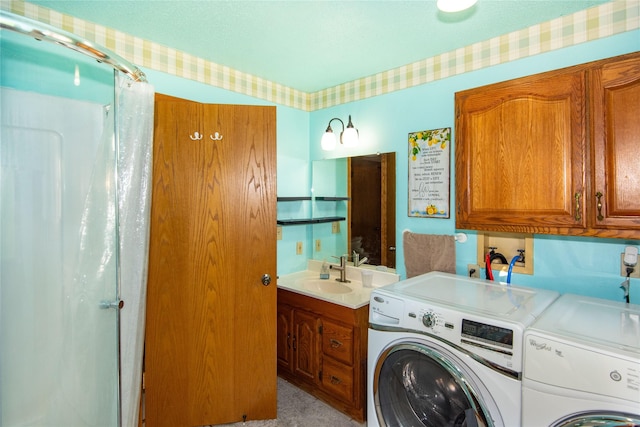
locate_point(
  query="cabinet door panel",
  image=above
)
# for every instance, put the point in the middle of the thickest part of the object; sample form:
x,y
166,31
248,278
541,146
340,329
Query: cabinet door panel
x,y
520,150
305,345
284,337
615,90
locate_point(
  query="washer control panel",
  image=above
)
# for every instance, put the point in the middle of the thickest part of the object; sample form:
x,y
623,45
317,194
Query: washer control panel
x,y
496,341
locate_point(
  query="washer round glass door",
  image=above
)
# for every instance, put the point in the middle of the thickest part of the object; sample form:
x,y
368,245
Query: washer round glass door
x,y
423,385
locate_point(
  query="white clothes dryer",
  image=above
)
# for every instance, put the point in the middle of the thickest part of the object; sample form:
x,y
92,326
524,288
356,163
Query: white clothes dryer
x,y
582,365
446,350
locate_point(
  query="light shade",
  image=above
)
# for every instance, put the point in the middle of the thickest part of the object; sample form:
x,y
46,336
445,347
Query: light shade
x,y
455,5
328,142
350,136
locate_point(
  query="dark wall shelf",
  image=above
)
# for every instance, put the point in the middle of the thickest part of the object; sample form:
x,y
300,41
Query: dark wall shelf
x,y
301,221
294,199
331,199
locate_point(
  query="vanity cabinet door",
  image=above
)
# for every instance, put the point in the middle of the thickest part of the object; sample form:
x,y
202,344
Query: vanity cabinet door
x,y
520,154
285,337
305,345
615,107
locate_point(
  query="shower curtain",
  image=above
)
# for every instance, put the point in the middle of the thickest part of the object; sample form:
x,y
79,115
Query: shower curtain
x,y
135,135
69,238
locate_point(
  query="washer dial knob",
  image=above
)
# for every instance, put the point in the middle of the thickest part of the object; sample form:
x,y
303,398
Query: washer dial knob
x,y
429,319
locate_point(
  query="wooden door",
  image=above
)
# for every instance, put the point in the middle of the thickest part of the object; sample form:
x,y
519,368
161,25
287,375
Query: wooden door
x,y
366,206
210,354
388,227
615,103
520,154
372,190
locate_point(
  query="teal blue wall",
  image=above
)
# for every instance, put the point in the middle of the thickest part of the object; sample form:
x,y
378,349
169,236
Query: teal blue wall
x,y
586,266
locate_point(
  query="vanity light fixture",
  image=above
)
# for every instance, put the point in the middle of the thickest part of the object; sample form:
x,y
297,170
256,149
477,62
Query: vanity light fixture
x,y
349,137
455,5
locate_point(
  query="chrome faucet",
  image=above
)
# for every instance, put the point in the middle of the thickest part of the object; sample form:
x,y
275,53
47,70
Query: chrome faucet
x,y
342,269
357,262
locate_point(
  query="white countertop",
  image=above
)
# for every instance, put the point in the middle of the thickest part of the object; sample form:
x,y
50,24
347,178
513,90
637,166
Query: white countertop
x,y
359,295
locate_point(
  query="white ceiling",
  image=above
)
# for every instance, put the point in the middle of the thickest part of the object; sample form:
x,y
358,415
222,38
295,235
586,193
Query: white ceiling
x,y
311,45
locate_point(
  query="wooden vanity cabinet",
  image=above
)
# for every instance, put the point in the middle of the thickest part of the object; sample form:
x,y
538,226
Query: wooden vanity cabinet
x,y
322,348
552,153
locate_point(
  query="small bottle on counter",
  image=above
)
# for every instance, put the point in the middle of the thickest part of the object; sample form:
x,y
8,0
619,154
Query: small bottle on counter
x,y
324,271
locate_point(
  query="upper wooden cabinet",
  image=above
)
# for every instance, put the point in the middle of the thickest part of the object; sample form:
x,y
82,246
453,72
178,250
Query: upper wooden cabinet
x,y
615,136
534,154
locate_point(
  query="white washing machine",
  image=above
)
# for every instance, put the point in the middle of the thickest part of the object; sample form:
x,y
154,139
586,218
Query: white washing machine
x,y
446,350
582,365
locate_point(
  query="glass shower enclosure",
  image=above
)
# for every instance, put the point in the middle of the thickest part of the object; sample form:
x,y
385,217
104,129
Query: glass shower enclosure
x,y
59,275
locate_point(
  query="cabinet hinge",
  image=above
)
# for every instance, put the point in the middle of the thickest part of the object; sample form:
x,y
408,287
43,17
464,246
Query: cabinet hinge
x,y
320,376
320,329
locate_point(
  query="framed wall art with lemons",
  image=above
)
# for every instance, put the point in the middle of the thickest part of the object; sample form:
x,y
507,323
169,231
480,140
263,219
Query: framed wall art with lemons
x,y
429,171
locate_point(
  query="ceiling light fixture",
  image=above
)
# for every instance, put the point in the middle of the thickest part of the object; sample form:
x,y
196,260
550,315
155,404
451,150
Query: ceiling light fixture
x,y
349,137
455,5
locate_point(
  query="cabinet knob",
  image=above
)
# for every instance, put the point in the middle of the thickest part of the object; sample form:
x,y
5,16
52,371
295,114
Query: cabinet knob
x,y
335,343
577,197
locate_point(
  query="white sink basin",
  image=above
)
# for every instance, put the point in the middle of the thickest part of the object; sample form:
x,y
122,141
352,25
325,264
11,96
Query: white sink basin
x,y
329,286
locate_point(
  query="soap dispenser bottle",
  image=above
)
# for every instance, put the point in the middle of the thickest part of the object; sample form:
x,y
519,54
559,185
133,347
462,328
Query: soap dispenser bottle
x,y
324,271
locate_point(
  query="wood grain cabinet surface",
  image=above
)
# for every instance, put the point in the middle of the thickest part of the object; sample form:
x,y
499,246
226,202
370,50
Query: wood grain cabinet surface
x,y
552,153
615,136
322,348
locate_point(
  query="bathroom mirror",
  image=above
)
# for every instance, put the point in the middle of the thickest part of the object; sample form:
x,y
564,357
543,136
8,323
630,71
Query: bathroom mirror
x,y
369,183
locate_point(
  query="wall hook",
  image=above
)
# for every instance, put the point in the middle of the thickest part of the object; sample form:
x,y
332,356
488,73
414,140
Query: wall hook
x,y
196,136
216,137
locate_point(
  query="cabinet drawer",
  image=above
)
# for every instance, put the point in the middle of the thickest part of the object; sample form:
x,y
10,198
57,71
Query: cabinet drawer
x,y
337,379
337,341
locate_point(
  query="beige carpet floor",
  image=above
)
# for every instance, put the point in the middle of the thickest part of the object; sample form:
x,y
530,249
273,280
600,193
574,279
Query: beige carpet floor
x,y
297,408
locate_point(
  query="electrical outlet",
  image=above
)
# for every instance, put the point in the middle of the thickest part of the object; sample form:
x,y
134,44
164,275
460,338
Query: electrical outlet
x,y
335,227
473,270
318,245
299,248
278,233
623,268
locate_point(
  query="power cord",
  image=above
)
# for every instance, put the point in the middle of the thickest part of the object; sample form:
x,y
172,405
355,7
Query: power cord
x,y
626,284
